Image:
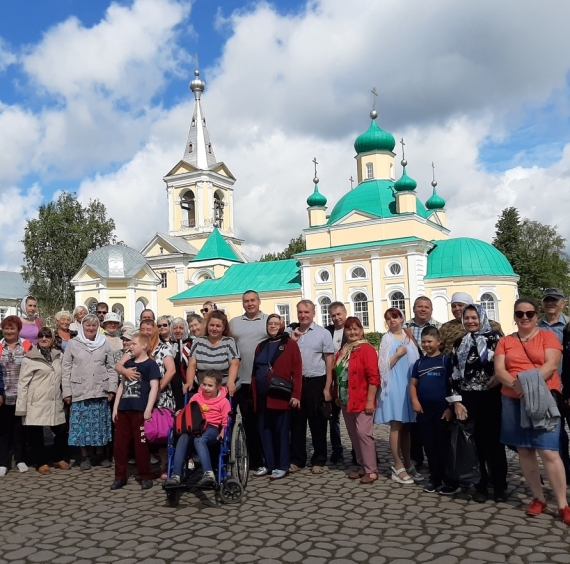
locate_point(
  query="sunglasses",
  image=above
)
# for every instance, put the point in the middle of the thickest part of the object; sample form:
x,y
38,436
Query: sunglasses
x,y
162,326
205,310
102,312
527,314
44,337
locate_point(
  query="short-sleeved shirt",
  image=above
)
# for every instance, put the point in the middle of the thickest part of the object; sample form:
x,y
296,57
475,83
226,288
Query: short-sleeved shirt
x,y
314,343
557,328
248,333
417,329
136,392
214,358
517,358
433,374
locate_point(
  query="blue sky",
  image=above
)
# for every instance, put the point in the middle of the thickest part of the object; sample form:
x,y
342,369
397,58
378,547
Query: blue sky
x,y
94,98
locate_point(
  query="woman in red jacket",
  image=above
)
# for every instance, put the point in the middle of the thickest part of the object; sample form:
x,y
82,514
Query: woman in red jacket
x,y
356,382
277,356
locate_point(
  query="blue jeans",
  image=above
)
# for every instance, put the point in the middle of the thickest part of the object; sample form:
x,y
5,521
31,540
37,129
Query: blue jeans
x,y
200,447
274,426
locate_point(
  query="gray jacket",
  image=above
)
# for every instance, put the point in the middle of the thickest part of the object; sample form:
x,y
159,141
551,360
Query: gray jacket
x,y
88,374
540,411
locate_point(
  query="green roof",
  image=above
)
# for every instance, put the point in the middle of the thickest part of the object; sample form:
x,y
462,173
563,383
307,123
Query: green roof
x,y
374,139
374,197
316,198
271,276
384,242
216,247
405,183
435,202
466,257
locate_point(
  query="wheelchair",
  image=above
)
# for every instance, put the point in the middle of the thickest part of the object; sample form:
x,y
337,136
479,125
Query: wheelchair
x,y
232,469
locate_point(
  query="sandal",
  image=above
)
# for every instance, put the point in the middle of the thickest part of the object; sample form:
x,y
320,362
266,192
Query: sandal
x,y
355,475
397,478
369,478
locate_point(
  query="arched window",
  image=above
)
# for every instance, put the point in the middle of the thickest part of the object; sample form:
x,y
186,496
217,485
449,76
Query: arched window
x,y
360,302
324,276
188,203
91,305
140,304
395,268
210,148
219,208
369,170
358,272
398,300
489,305
119,310
324,304
190,148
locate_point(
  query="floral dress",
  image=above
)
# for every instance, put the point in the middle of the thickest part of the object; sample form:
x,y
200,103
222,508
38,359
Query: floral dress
x,y
166,397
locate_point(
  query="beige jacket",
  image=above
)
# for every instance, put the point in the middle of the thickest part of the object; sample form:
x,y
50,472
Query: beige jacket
x,y
88,374
40,401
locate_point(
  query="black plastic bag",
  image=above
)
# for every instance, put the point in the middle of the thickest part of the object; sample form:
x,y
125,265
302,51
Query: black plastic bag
x,y
462,464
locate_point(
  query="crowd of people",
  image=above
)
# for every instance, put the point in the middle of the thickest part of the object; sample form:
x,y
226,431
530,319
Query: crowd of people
x,y
96,382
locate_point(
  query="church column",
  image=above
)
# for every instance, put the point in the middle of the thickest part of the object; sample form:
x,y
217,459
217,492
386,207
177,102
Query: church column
x,y
417,269
338,280
131,312
179,279
200,205
376,292
170,199
307,289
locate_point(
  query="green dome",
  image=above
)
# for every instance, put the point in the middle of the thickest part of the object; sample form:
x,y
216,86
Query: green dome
x,y
405,183
436,202
461,257
374,139
316,198
373,197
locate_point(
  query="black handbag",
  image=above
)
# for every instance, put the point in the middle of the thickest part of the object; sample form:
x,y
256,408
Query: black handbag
x,y
280,388
326,410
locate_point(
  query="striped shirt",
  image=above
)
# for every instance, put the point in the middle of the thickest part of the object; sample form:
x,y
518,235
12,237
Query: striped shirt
x,y
214,358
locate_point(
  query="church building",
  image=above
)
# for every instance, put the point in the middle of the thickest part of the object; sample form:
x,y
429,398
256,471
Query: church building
x,y
378,247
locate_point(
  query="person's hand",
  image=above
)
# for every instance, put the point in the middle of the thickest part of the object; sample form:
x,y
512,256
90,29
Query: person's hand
x,y
110,396
131,373
447,414
220,437
115,415
187,386
517,388
401,351
493,382
295,335
67,400
327,394
460,411
369,408
417,406
147,414
294,403
231,388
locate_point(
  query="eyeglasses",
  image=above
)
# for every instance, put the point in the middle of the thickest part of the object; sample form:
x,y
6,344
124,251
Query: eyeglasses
x,y
44,336
528,314
162,326
205,310
102,312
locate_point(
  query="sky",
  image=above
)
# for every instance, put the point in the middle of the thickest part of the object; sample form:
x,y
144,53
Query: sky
x,y
94,99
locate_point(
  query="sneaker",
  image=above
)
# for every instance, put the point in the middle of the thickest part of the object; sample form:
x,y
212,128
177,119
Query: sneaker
x,y
132,461
105,463
118,484
294,468
261,471
3,470
278,474
22,467
536,507
174,480
85,464
565,515
207,480
191,465
430,488
44,470
146,484
62,465
448,490
414,474
153,459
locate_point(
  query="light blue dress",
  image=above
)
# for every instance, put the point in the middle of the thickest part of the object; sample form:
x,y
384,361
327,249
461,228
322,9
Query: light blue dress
x,y
397,405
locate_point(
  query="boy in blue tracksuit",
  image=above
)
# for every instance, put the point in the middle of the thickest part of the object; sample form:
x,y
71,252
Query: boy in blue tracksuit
x,y
430,390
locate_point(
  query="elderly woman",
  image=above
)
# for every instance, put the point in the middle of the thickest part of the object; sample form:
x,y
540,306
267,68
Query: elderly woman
x,y
279,355
356,383
112,326
40,401
216,351
537,350
12,351
474,381
78,314
89,383
180,344
63,334
196,325
31,322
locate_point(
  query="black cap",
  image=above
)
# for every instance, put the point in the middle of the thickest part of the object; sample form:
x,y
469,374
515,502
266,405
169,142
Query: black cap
x,y
555,293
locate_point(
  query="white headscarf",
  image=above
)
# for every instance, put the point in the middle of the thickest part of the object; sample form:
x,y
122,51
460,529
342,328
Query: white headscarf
x,y
24,311
384,355
99,340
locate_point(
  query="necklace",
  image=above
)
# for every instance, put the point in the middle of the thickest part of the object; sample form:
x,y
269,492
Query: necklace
x,y
530,336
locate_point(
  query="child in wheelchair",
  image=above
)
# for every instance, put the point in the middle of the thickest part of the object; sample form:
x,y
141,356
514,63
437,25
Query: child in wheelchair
x,y
215,406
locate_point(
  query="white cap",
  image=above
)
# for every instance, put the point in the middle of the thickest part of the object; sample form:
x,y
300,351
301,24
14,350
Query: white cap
x,y
461,298
111,317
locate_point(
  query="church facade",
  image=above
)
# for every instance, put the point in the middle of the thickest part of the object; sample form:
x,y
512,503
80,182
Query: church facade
x,y
378,247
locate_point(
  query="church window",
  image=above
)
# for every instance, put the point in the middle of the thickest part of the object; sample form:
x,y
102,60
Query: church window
x,y
190,148
360,302
163,280
193,122
210,148
219,209
358,272
188,203
204,121
324,304
324,276
395,269
398,301
369,171
119,310
284,310
489,305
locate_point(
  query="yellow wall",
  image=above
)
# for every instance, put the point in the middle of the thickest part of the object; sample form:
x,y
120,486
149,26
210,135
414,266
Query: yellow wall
x,y
383,165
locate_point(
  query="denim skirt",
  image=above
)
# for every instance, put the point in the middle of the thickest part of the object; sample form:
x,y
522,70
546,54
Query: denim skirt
x,y
513,434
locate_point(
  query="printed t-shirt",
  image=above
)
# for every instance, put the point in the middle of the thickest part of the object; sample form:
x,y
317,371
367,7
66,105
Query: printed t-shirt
x,y
517,360
433,373
136,392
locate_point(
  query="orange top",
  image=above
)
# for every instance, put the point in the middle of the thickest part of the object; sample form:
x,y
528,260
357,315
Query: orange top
x,y
517,360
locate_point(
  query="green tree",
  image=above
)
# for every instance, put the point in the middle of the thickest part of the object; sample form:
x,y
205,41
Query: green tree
x,y
508,236
57,243
295,246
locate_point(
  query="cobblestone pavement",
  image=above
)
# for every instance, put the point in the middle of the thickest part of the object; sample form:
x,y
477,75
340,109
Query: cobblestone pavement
x,y
73,517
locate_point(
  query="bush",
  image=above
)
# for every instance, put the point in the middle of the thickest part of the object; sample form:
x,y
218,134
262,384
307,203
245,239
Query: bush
x,y
373,338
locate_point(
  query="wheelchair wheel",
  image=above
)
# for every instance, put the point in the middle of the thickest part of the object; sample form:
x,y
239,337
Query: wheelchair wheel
x,y
231,491
239,456
173,498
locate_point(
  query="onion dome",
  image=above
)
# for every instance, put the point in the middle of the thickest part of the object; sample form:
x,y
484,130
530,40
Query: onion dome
x,y
316,199
374,138
405,183
436,202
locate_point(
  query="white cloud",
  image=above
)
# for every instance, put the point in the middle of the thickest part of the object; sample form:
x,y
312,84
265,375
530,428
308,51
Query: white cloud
x,y
7,57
